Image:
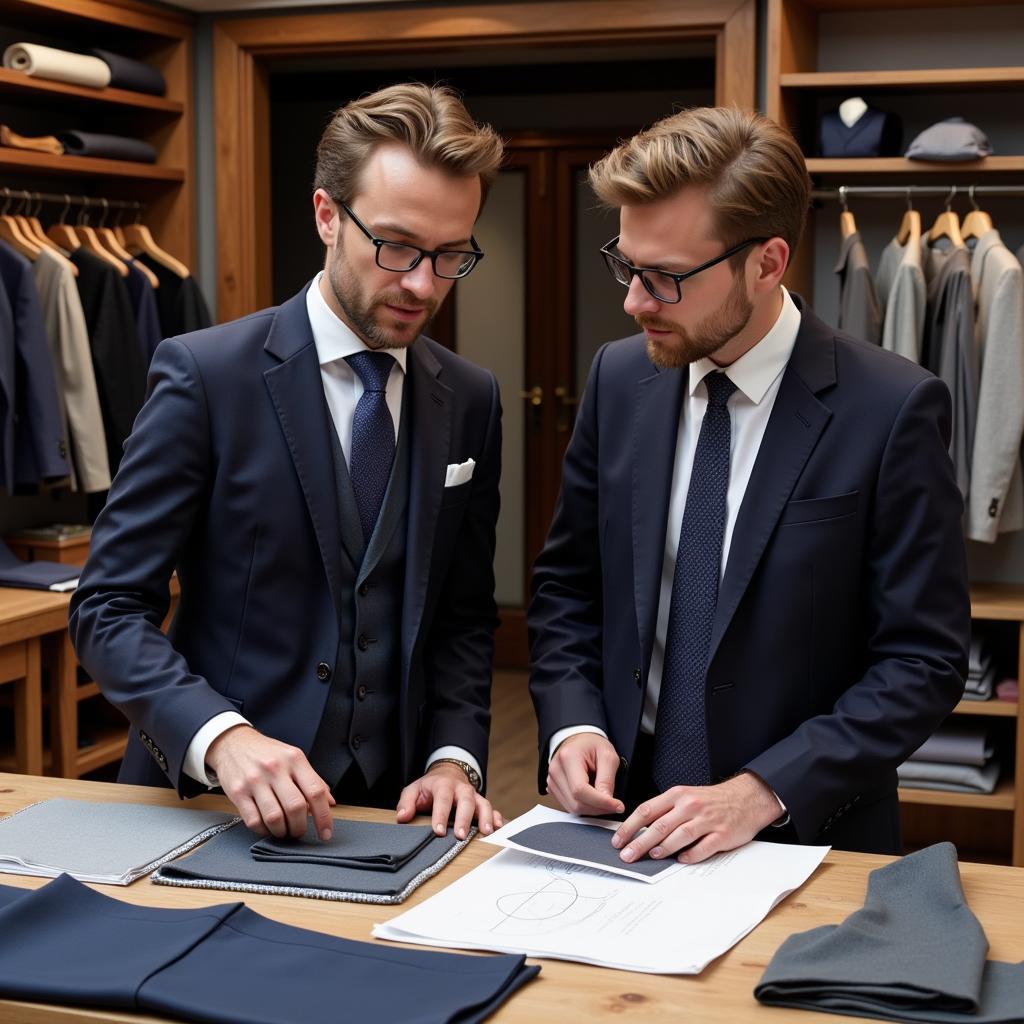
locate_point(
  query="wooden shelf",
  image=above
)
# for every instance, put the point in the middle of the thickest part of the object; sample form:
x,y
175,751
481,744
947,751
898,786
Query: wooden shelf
x,y
122,15
87,690
85,166
1000,800
20,88
900,166
997,601
936,78
109,748
987,708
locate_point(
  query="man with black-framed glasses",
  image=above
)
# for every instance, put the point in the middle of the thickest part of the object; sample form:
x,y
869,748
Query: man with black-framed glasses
x,y
325,479
752,604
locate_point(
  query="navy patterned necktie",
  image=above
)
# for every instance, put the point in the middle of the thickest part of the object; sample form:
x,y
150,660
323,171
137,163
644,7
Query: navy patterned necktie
x,y
373,437
680,731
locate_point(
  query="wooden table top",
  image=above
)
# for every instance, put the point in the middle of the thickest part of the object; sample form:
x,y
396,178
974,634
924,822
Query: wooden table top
x,y
566,992
25,613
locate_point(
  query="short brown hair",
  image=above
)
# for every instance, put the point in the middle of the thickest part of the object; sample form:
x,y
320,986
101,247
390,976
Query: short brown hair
x,y
431,120
752,168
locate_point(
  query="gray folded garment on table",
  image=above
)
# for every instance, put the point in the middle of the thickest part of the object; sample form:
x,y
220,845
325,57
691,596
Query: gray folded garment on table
x,y
913,952
365,845
954,778
108,147
226,862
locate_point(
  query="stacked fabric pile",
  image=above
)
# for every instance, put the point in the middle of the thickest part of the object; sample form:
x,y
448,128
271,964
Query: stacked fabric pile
x,y
981,671
959,758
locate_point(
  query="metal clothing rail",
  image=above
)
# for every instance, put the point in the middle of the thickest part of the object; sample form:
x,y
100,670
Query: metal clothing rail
x,y
68,200
908,191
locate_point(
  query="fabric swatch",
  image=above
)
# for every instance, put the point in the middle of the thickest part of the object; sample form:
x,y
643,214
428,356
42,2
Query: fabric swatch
x,y
368,845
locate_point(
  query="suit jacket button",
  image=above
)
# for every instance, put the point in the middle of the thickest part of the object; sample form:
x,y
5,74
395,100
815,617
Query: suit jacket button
x,y
363,642
357,742
364,589
323,671
361,692
636,675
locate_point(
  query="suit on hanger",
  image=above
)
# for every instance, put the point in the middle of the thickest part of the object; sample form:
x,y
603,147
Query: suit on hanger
x,y
230,476
874,133
840,633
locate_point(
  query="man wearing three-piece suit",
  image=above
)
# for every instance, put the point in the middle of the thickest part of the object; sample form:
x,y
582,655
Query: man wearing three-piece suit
x,y
752,603
324,479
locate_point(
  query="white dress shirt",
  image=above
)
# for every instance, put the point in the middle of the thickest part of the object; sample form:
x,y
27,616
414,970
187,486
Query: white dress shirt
x,y
757,375
343,388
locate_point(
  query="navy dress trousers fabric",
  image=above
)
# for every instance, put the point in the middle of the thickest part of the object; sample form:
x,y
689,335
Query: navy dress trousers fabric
x,y
680,734
110,147
225,964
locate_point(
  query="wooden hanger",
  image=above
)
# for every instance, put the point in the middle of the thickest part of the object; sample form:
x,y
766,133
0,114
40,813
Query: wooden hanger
x,y
909,230
977,221
91,243
36,234
64,234
847,224
137,239
111,243
947,224
11,232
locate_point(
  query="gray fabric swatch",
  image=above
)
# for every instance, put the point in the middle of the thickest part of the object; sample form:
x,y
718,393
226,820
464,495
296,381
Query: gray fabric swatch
x,y
913,952
226,862
590,843
101,842
958,743
953,778
367,845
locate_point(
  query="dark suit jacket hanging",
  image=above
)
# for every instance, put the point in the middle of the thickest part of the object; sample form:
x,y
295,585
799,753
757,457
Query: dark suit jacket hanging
x,y
179,301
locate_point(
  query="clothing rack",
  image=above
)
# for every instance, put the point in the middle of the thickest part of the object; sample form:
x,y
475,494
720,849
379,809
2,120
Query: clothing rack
x,y
68,200
908,191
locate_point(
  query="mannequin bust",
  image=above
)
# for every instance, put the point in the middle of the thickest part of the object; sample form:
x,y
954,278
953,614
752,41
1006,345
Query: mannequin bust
x,y
857,129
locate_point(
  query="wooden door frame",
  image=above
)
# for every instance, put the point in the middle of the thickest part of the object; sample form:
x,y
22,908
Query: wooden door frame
x,y
242,48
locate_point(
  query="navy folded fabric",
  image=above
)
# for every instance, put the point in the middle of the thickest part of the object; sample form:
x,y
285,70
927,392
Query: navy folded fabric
x,y
109,147
585,842
369,845
126,73
33,575
225,964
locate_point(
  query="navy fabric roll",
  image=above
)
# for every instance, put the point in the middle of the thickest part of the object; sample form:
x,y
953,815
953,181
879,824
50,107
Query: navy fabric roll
x,y
126,73
225,964
110,147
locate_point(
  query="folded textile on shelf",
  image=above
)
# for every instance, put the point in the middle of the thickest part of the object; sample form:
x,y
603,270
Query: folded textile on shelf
x,y
109,147
36,143
957,743
57,65
954,778
134,75
1008,689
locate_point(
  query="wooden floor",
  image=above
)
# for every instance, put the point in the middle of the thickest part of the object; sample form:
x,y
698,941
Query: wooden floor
x,y
512,770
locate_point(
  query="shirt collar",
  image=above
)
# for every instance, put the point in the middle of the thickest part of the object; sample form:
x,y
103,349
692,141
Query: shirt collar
x,y
755,371
333,338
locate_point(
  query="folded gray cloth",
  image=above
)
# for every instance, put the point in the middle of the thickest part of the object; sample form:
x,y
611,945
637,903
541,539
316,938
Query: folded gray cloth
x,y
954,778
957,743
913,952
369,845
226,862
953,139
585,842
109,147
126,73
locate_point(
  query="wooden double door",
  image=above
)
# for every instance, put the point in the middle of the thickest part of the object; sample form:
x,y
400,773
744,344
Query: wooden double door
x,y
534,312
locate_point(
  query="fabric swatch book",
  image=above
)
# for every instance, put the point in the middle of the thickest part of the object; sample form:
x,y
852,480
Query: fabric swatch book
x,y
113,844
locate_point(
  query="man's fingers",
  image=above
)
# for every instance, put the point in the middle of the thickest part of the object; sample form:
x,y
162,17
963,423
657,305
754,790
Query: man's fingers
x,y
604,777
250,813
485,815
585,798
676,840
465,807
270,810
711,844
407,803
656,834
317,797
444,793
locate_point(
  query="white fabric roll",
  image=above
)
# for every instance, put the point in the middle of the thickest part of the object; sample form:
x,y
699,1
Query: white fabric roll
x,y
57,65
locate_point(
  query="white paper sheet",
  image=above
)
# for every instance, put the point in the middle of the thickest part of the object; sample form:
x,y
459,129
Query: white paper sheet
x,y
522,903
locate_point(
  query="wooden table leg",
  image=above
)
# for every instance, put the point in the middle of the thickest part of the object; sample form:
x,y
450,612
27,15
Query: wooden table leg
x,y
60,657
28,713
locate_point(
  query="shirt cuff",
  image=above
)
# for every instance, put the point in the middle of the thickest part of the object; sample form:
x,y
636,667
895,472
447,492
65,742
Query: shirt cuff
x,y
460,755
195,757
572,730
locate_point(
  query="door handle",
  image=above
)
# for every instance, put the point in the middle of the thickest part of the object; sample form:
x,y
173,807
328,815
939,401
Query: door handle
x,y
566,401
535,396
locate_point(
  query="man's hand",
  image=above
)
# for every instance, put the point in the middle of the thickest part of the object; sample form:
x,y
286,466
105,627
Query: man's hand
x,y
704,819
443,786
271,783
581,775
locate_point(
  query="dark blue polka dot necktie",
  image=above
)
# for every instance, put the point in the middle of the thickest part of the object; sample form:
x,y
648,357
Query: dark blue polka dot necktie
x,y
680,731
373,437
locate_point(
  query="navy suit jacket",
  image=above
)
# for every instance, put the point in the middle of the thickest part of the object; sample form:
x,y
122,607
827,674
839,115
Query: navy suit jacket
x,y
228,476
841,630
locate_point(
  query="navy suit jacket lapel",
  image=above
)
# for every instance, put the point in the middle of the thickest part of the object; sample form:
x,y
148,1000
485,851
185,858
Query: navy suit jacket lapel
x,y
796,422
297,391
430,427
657,407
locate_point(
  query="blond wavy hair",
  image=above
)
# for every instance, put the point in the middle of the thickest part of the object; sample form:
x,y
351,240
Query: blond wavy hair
x,y
431,120
752,168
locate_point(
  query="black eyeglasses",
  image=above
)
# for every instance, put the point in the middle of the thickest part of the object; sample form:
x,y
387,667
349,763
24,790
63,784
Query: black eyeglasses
x,y
400,257
662,284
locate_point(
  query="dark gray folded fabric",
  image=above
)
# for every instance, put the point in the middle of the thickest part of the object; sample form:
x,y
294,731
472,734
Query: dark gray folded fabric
x,y
126,73
913,952
225,964
958,743
365,845
226,862
953,139
109,147
584,842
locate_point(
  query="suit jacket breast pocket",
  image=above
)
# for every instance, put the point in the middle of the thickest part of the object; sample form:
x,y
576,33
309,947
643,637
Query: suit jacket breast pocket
x,y
819,510
456,495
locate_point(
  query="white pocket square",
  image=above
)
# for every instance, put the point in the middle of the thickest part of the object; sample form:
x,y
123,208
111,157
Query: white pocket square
x,y
459,473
